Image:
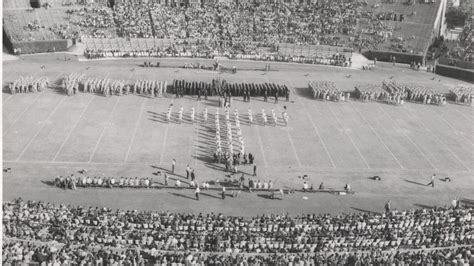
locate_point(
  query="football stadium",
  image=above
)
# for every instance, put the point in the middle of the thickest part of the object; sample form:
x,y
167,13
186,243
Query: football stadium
x,y
237,132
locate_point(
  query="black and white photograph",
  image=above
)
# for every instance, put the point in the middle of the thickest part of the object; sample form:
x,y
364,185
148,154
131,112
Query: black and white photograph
x,y
237,132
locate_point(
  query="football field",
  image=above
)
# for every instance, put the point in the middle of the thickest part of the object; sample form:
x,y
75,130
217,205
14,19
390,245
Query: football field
x,y
49,134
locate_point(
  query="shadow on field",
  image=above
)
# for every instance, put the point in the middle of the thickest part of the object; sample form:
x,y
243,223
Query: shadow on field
x,y
210,195
265,196
47,182
182,196
304,92
366,211
414,182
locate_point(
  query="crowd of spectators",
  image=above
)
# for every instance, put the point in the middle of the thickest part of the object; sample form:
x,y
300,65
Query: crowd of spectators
x,y
16,252
94,21
465,49
421,228
28,252
235,28
155,232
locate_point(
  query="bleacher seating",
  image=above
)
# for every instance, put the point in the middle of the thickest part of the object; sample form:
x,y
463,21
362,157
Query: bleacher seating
x,y
370,28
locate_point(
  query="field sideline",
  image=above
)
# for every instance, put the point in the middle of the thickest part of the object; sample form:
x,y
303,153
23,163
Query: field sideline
x,y
50,134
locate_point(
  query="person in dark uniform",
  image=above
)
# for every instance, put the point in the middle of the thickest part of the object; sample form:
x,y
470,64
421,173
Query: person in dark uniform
x,y
265,94
176,87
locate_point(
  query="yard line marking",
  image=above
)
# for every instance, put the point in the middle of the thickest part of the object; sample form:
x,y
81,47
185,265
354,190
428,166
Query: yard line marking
x,y
7,99
378,136
294,149
103,130
409,139
452,127
41,129
441,141
350,138
260,143
22,113
72,129
195,134
319,136
136,129
261,147
27,108
166,135
163,146
462,114
314,126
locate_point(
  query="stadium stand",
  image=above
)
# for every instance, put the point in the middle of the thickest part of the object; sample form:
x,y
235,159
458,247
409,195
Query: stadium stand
x,y
422,230
224,29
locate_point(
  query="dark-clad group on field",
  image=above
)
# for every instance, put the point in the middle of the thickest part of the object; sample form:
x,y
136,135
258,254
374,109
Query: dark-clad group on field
x,y
220,87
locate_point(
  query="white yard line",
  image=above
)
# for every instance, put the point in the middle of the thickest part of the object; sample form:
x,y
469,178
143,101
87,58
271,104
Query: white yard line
x,y
380,139
444,144
41,129
293,147
195,125
73,128
292,88
409,139
452,127
27,108
350,138
5,132
136,129
261,147
163,146
166,135
4,101
103,130
319,136
464,115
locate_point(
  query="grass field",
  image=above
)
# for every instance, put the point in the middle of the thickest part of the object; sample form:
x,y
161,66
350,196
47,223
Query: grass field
x,y
49,134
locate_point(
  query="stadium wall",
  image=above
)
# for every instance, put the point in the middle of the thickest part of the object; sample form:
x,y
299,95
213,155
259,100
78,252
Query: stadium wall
x,y
455,72
456,63
32,47
6,42
403,58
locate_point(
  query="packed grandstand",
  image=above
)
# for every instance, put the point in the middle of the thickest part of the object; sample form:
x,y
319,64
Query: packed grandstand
x,y
46,233
243,29
318,32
